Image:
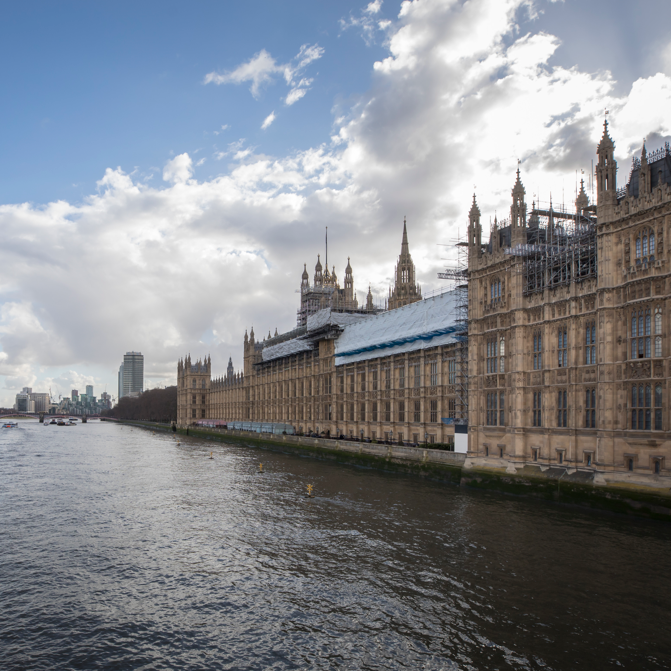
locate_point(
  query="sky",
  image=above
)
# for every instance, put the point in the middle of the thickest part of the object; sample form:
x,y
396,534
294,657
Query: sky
x,y
168,167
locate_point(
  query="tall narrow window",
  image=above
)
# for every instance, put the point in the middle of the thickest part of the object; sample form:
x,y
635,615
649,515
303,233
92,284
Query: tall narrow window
x,y
562,408
434,412
375,411
418,379
434,373
362,381
502,405
387,411
562,355
638,247
658,407
590,408
387,378
452,371
502,355
417,417
492,356
652,245
658,331
492,409
401,411
374,374
401,378
537,409
641,328
362,414
538,351
590,343
640,407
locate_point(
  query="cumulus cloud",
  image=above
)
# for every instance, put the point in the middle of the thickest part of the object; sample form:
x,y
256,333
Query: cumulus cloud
x,y
268,120
262,69
458,99
179,169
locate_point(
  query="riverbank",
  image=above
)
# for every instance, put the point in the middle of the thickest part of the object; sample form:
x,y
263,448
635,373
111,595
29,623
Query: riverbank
x,y
560,485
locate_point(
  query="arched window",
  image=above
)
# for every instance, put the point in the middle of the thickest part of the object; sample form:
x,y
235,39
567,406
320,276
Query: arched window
x,y
502,353
645,245
590,343
658,321
638,247
652,244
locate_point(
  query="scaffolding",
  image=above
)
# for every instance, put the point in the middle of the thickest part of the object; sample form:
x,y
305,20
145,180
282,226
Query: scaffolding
x,y
561,248
457,275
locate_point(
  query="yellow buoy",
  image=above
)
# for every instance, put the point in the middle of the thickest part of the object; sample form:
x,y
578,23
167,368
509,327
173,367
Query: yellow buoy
x,y
211,457
310,494
260,468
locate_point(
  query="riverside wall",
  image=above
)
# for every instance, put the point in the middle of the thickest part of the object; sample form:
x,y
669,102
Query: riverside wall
x,y
582,487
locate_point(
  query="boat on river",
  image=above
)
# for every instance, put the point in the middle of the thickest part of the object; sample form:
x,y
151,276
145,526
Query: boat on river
x,y
10,425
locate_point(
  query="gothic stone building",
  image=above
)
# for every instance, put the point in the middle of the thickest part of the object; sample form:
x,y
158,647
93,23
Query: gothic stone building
x,y
569,322
386,376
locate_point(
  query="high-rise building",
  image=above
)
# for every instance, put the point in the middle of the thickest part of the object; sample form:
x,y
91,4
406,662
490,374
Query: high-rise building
x,y
120,394
89,390
75,394
133,373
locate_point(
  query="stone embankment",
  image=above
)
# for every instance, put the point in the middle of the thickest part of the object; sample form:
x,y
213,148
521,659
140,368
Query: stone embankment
x,y
562,485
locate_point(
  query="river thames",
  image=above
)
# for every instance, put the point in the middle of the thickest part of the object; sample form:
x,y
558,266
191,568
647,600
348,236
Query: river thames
x,y
121,549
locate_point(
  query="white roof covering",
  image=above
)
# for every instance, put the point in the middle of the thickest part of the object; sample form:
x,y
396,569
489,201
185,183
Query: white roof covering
x,y
287,348
427,323
326,316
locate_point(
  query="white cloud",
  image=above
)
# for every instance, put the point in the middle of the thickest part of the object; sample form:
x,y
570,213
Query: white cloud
x,y
262,68
268,120
298,91
222,129
179,169
367,22
458,99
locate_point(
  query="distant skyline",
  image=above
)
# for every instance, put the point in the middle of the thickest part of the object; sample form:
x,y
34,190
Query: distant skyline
x,y
168,168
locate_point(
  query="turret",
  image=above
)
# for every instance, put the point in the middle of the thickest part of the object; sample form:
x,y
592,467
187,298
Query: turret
x,y
644,181
606,173
318,273
518,214
369,300
305,279
582,201
349,283
474,231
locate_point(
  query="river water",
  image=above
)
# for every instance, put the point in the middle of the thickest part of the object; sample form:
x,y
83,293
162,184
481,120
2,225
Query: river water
x,y
122,549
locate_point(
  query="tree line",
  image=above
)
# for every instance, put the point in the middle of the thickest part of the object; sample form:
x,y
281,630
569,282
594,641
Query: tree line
x,y
154,405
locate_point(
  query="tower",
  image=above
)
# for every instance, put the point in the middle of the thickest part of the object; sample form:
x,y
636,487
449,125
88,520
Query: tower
x,y
518,214
606,175
319,278
474,232
349,285
582,201
405,290
305,279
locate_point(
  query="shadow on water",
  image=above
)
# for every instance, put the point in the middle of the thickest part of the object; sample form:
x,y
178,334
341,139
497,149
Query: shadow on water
x,y
122,549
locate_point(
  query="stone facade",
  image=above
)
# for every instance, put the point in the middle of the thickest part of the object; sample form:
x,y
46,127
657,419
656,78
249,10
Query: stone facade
x,y
569,328
401,394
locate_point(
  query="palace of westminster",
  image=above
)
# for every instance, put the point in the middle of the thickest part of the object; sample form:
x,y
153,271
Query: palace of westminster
x,y
553,349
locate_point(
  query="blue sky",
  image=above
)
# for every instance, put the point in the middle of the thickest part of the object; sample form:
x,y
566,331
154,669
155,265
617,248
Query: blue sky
x,y
145,205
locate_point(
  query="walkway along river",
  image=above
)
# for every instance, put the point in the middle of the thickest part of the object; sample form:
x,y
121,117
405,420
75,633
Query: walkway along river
x,y
122,549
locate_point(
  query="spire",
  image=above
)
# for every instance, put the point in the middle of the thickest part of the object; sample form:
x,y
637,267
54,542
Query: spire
x,y
582,201
305,275
369,300
404,243
474,212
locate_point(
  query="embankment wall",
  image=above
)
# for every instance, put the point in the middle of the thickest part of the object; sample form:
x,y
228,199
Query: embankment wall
x,y
586,488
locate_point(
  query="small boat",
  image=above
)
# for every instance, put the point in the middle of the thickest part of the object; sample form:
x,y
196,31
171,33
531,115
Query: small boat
x,y
53,421
60,422
72,420
10,425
